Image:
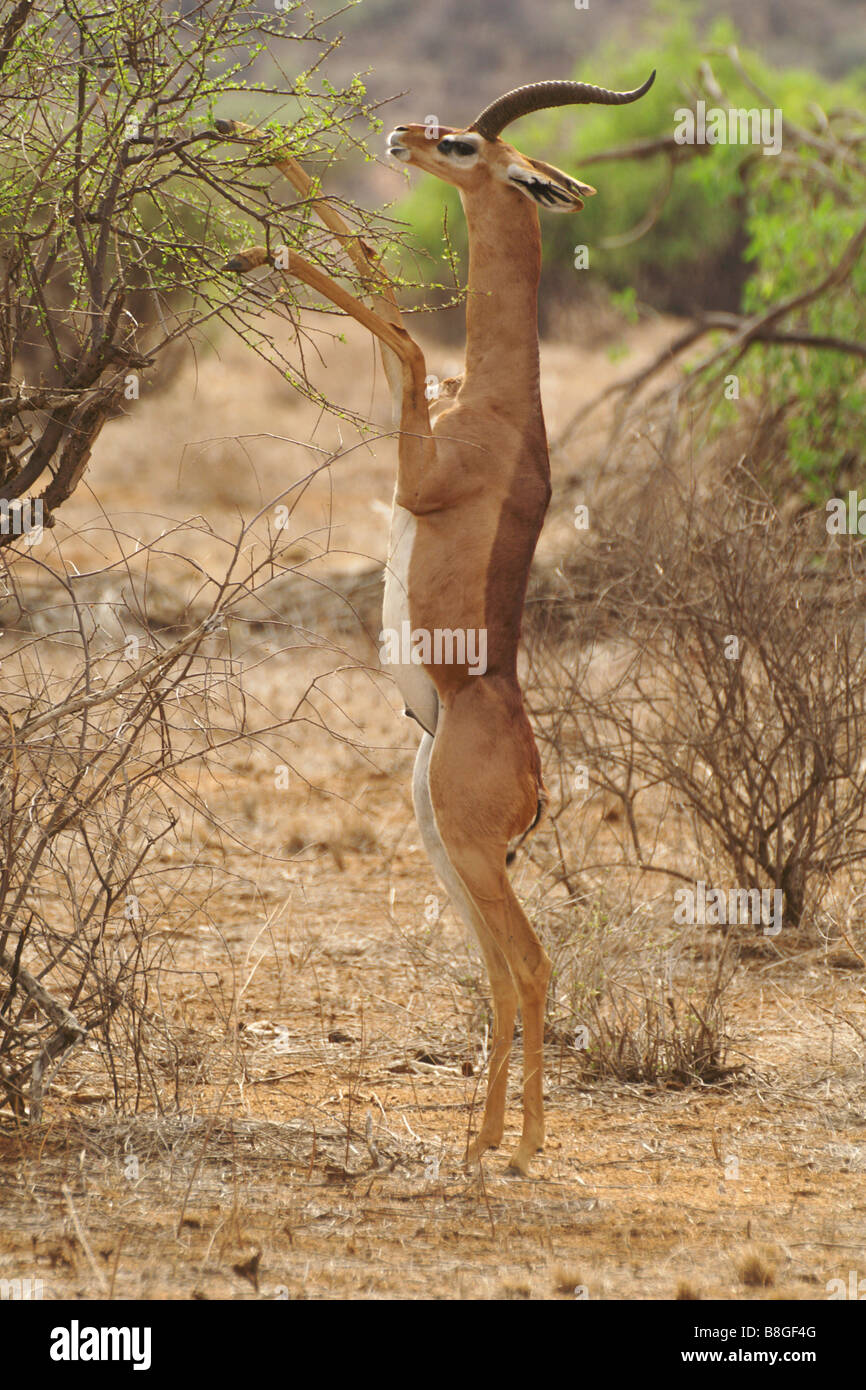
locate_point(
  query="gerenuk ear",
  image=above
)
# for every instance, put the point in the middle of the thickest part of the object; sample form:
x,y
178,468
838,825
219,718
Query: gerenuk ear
x,y
549,187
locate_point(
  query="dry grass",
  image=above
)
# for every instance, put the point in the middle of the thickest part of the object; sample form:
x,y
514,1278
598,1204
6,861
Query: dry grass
x,y
756,1271
686,1292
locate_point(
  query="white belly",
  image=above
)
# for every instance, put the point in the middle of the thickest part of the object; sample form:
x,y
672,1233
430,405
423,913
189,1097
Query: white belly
x,y
416,687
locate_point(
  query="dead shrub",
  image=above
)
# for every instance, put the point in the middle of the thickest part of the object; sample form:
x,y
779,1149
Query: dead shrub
x,y
111,733
721,736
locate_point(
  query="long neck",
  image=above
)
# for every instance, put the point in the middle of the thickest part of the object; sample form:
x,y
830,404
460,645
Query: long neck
x,y
502,307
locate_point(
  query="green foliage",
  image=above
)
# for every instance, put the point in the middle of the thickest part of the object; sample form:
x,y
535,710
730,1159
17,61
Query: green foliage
x,y
801,218
626,302
110,124
626,190
702,216
736,229
120,202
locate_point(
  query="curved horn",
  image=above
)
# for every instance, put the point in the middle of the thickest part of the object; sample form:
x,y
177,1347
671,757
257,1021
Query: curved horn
x,y
537,96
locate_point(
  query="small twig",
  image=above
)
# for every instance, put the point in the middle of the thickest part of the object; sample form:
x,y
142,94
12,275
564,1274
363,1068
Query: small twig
x,y
853,949
370,1141
116,1262
84,1242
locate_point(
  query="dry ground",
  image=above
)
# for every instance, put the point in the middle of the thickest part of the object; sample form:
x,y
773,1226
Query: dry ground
x,y
326,1020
